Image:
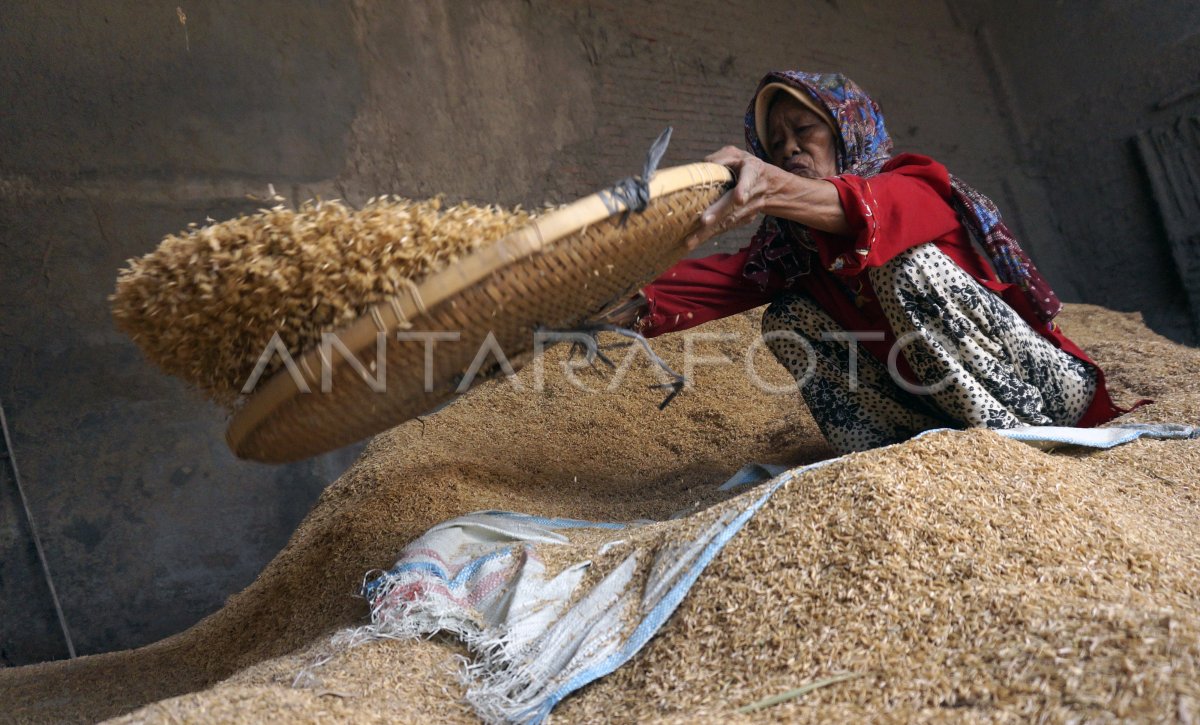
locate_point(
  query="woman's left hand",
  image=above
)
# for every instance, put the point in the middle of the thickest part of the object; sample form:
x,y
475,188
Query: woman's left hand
x,y
744,202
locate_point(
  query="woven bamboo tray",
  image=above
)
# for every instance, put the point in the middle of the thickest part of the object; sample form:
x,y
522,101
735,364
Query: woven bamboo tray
x,y
551,274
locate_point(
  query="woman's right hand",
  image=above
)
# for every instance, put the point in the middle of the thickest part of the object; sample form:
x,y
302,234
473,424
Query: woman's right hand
x,y
766,189
742,203
625,314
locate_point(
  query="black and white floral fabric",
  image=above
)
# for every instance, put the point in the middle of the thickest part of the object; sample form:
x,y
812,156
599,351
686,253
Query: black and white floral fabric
x,y
977,363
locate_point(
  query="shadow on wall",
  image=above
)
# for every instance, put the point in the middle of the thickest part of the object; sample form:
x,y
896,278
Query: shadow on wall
x,y
118,128
1105,110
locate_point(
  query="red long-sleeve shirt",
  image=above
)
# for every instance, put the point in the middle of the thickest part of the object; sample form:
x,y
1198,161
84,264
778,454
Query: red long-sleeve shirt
x,y
906,204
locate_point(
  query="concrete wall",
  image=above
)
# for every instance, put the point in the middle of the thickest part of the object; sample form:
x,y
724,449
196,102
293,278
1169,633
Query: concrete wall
x,y
119,127
1080,80
116,130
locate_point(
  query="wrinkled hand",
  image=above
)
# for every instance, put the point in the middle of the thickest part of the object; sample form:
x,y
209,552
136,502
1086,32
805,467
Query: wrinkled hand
x,y
624,314
741,204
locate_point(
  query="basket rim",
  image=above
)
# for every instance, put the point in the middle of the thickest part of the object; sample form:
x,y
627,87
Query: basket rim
x,y
401,310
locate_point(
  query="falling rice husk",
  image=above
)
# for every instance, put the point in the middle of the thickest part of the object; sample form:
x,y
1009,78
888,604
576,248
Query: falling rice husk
x,y
207,302
961,576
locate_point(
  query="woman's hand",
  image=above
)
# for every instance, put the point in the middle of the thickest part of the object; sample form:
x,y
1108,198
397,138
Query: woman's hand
x,y
625,314
742,203
766,189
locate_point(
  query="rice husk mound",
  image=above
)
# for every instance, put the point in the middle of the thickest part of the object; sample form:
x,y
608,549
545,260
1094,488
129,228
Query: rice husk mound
x,y
205,304
960,576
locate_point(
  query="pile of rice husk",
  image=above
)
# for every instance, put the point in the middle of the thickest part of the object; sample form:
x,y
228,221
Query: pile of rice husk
x,y
206,303
961,576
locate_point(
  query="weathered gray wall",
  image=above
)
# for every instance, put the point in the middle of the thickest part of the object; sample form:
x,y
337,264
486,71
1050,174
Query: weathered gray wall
x,y
117,129
113,134
1081,80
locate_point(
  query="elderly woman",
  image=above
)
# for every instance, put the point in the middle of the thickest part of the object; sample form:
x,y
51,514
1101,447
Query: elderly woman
x,y
891,253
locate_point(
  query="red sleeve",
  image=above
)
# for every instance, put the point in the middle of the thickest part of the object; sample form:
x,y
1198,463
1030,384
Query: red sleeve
x,y
695,291
906,204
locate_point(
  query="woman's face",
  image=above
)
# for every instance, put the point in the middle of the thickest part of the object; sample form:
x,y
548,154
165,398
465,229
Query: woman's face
x,y
799,141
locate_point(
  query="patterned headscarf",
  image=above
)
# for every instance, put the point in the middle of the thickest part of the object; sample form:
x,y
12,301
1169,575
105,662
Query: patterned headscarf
x,y
863,148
